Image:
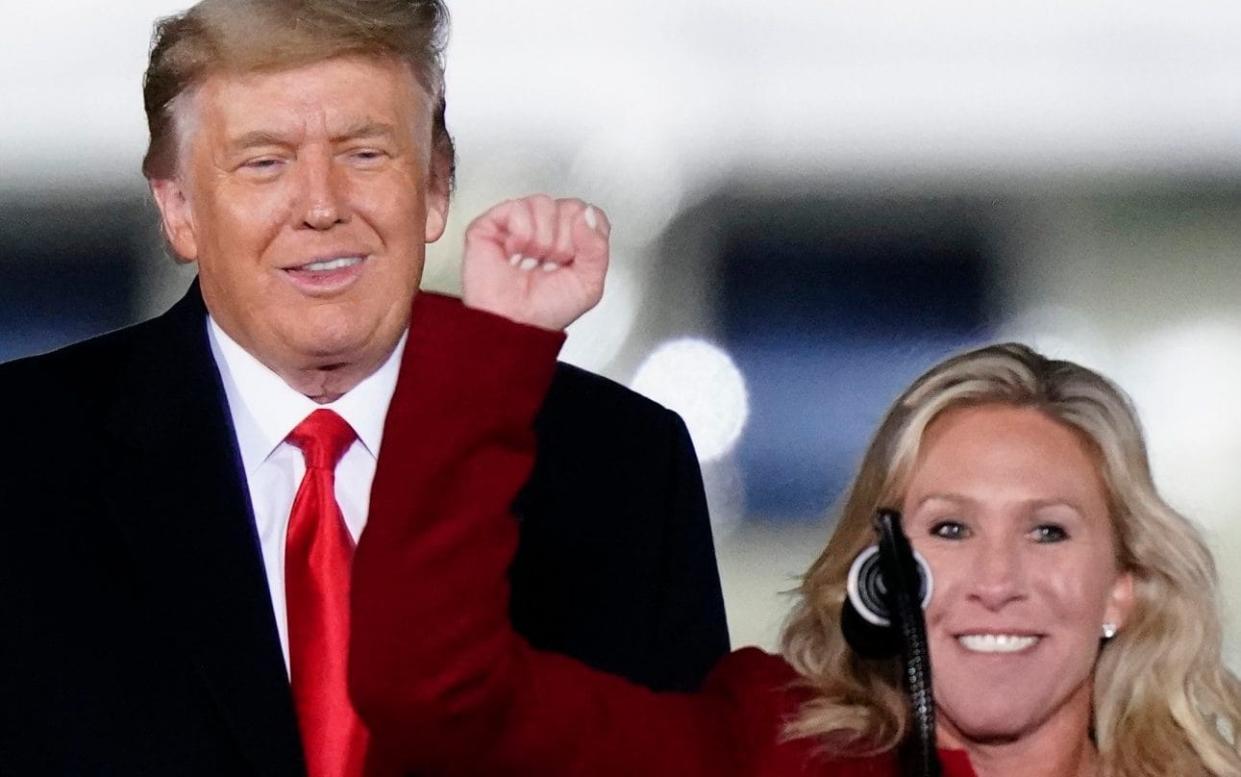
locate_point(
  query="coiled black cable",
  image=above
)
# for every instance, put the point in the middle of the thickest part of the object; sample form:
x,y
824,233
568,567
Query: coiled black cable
x,y
919,757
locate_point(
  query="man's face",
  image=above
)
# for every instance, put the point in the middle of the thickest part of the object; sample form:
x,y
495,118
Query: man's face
x,y
303,196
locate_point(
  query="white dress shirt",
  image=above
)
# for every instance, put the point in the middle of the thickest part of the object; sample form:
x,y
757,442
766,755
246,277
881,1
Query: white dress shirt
x,y
264,410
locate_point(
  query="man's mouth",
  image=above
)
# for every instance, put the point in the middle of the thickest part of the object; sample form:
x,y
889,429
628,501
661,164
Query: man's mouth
x,y
330,265
997,643
327,275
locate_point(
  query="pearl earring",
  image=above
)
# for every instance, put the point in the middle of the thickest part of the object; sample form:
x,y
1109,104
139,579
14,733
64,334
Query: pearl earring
x,y
1109,630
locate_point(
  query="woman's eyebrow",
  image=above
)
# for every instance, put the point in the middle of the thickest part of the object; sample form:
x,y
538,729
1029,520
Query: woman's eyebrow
x,y
950,496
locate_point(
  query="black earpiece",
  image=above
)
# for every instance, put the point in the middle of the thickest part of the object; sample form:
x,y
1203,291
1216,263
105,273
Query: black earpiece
x,y
867,617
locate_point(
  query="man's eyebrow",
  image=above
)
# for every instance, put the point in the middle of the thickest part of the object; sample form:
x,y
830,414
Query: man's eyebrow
x,y
257,138
365,129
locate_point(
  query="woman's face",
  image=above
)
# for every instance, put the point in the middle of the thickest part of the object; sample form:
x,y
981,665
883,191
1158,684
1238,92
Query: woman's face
x,y
1010,511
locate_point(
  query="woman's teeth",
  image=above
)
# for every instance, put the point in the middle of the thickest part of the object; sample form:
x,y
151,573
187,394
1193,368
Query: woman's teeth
x,y
333,264
996,643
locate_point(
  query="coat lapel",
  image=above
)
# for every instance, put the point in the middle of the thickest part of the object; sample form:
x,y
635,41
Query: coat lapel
x,y
181,502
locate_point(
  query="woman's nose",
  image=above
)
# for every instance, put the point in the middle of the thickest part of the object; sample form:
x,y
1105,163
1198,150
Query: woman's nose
x,y
998,574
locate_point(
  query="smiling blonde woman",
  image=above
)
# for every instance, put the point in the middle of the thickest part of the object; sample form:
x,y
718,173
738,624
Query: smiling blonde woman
x,y
1163,703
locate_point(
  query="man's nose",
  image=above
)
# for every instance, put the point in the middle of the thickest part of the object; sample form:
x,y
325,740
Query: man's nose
x,y
323,190
999,574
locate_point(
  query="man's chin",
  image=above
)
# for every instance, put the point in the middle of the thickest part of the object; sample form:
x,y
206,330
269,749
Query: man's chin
x,y
328,378
321,336
331,361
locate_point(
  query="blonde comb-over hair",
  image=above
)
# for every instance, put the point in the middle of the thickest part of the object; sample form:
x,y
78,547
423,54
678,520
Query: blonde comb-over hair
x,y
244,36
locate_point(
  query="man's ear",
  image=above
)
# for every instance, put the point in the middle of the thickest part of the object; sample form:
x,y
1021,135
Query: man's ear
x,y
178,222
437,211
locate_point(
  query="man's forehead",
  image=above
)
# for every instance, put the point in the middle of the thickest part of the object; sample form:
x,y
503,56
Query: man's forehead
x,y
338,78
343,97
282,132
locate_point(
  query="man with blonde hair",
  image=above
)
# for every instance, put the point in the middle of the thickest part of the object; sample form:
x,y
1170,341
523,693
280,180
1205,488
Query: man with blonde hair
x,y
183,496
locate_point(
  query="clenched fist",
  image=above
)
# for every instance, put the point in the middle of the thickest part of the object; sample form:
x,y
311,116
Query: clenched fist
x,y
536,260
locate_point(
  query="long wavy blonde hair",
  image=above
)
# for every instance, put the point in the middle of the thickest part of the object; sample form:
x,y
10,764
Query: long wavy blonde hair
x,y
1164,703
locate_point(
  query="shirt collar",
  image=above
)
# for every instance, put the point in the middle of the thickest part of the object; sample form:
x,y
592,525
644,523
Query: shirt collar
x,y
265,408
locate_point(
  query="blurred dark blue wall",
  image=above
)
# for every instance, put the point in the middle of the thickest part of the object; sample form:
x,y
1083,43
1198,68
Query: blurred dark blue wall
x,y
67,270
830,308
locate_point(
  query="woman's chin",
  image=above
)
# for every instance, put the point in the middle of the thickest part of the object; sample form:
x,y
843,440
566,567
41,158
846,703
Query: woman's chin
x,y
988,723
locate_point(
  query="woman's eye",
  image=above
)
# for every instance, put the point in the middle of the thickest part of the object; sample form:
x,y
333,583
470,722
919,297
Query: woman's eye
x,y
949,530
1049,532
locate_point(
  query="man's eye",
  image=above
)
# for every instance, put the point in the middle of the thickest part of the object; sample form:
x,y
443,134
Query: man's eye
x,y
949,530
367,155
262,165
1049,532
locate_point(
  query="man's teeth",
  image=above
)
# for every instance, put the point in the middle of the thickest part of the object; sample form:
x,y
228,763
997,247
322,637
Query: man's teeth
x,y
996,643
333,264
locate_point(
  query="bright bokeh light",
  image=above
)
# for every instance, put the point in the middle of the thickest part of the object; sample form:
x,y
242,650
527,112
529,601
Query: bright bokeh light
x,y
1186,383
1192,375
1059,332
636,172
700,381
596,338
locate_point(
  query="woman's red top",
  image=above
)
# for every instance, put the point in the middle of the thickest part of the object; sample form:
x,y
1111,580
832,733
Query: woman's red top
x,y
440,677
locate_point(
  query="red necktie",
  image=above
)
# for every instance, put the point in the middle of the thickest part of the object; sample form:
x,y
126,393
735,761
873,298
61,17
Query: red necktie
x,y
318,551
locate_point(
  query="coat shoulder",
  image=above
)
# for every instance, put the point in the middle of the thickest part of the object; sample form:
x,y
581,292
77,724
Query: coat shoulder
x,y
576,392
63,389
77,375
595,429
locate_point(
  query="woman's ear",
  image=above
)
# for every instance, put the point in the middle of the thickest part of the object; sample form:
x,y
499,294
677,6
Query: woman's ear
x,y
1120,602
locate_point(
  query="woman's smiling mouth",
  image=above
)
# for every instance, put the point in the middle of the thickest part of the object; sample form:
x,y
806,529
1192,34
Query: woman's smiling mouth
x,y
997,643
